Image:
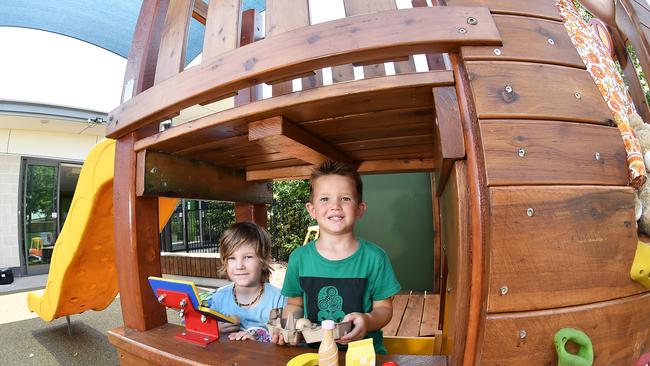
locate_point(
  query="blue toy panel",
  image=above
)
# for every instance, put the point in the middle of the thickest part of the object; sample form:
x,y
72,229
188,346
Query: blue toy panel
x,y
192,294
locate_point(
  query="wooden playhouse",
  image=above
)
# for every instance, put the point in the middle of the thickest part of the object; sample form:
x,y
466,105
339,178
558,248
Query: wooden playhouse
x,y
534,219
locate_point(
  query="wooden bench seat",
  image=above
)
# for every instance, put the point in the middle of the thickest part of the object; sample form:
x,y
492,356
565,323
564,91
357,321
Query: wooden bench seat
x,y
415,314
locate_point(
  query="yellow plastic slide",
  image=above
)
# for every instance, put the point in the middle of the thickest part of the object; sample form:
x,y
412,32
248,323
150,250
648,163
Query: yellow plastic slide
x,y
82,271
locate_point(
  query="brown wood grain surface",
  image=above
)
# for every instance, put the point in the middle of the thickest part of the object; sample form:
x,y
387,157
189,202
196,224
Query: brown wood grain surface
x,y
158,346
143,55
628,25
575,248
553,153
449,142
430,315
363,96
529,40
221,28
373,125
533,8
378,35
200,11
166,175
137,243
171,56
478,211
410,326
280,134
366,167
399,306
283,16
454,206
619,331
522,90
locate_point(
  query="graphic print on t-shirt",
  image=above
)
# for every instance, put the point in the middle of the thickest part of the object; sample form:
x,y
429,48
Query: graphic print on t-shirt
x,y
332,298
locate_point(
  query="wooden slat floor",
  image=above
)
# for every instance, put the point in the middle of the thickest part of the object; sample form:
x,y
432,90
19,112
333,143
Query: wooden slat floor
x,y
415,314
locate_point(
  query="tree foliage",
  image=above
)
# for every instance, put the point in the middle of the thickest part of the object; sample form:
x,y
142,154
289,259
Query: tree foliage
x,y
288,217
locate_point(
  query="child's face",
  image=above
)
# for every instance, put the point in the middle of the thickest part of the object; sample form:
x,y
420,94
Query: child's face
x,y
334,204
244,267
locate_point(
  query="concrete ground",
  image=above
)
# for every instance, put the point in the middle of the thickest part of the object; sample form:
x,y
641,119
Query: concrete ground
x,y
25,339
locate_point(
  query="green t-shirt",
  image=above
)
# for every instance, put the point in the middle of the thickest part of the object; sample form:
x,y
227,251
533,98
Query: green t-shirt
x,y
333,288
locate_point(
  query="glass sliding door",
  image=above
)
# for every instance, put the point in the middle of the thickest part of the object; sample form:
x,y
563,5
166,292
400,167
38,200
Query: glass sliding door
x,y
48,188
39,214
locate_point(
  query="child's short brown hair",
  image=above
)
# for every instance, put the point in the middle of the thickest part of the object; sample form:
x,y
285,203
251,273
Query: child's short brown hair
x,y
331,167
246,233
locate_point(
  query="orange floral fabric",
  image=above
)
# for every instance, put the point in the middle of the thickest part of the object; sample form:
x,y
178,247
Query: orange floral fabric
x,y
610,84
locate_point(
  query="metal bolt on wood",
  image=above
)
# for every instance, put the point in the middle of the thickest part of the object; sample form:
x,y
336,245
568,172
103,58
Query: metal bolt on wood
x,y
577,95
551,41
503,290
497,52
522,334
521,152
472,21
462,30
597,156
530,212
508,89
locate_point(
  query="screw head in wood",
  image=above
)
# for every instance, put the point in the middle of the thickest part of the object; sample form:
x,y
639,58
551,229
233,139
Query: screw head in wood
x,y
551,41
530,212
508,89
597,156
578,95
472,21
497,52
522,334
503,290
462,30
521,152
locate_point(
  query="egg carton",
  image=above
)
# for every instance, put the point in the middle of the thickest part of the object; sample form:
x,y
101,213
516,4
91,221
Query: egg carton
x,y
311,334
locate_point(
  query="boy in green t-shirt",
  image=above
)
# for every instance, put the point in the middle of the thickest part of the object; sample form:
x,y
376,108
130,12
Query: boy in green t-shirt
x,y
339,276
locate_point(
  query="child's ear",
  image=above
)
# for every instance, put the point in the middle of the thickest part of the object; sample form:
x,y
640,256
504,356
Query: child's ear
x,y
310,209
361,209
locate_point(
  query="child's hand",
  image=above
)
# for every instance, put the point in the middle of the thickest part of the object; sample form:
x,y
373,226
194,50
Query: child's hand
x,y
359,329
241,336
228,327
279,340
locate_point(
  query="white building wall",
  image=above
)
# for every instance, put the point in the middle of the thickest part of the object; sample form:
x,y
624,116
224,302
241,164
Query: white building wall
x,y
14,145
9,179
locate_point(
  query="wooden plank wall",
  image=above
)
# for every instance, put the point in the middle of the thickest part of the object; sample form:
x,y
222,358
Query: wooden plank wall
x,y
561,231
193,266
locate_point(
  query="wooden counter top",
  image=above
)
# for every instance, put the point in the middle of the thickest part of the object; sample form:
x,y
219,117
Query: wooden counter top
x,y
158,346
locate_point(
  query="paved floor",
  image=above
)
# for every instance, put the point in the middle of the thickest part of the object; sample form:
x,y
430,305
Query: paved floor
x,y
25,339
28,340
27,283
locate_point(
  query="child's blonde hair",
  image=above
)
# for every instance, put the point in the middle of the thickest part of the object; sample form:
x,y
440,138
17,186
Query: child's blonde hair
x,y
331,167
246,233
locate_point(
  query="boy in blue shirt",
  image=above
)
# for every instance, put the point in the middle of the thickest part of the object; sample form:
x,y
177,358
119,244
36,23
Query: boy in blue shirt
x,y
245,250
339,276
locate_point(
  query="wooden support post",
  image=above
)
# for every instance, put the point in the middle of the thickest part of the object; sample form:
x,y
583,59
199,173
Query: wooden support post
x,y
251,212
250,32
137,243
449,145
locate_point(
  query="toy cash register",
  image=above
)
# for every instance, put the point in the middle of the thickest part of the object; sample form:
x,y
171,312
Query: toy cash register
x,y
201,325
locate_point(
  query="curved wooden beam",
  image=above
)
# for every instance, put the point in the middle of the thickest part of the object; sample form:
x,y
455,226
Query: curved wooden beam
x,y
368,37
194,133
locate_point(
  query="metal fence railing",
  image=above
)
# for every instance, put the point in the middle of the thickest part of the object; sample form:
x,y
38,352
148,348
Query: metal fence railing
x,y
196,226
